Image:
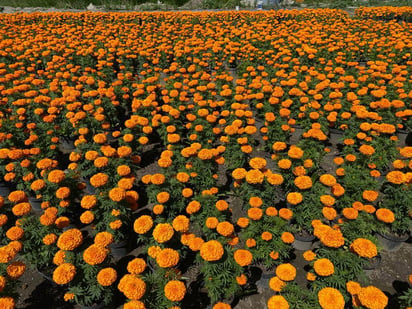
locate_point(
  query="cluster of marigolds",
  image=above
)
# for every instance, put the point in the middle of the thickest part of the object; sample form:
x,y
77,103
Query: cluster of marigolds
x,y
151,158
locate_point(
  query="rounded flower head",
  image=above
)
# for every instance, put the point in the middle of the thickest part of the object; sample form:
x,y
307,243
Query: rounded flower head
x,y
286,272
95,255
330,298
99,180
175,290
364,248
163,232
243,257
143,224
167,258
278,302
16,269
294,198
70,239
295,152
257,163
64,273
372,298
221,305
132,287
103,239
254,176
328,180
7,303
136,266
225,228
276,284
134,304
181,223
107,276
385,215
56,176
324,267
211,251
396,177
303,182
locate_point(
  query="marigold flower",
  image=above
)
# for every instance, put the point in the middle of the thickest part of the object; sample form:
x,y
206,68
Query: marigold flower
x,y
254,177
353,287
103,239
7,303
276,284
98,180
367,150
134,304
295,152
243,257
95,254
324,267
193,207
136,266
286,272
303,182
225,228
56,176
163,232
64,273
239,173
396,177
285,213
117,194
106,276
16,269
274,179
370,195
329,213
257,163
17,196
309,255
294,198
21,209
14,233
284,164
327,180
211,251
372,298
132,287
70,239
143,224
167,258
385,215
364,248
330,298
278,302
175,290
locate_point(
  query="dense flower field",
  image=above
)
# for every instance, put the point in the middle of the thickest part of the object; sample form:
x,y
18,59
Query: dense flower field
x,y
146,157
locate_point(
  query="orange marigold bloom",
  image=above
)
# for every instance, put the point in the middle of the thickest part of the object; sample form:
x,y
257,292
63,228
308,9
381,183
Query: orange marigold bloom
x,y
88,201
239,173
17,196
70,239
7,303
257,163
64,273
329,213
181,223
56,176
372,298
212,222
95,255
136,266
364,248
14,233
353,287
98,180
241,280
211,251
295,152
225,228
274,179
350,213
117,194
87,217
327,180
193,207
309,255
167,258
276,284
370,195
286,272
285,213
222,205
254,177
287,237
278,302
163,232
327,200
279,146
385,215
255,213
21,209
143,224
303,182
294,198
332,238
132,287
284,164
243,257
406,152
367,150
330,298
16,269
106,276
324,267
175,290
396,177
135,304
103,239
49,239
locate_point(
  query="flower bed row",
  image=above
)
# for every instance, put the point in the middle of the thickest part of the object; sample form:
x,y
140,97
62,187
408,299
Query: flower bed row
x,y
154,157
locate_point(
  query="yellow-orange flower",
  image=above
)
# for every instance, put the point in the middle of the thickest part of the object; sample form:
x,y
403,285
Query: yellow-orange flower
x,y
106,276
175,290
286,272
163,232
372,298
364,248
70,239
330,298
243,257
324,267
211,251
64,273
